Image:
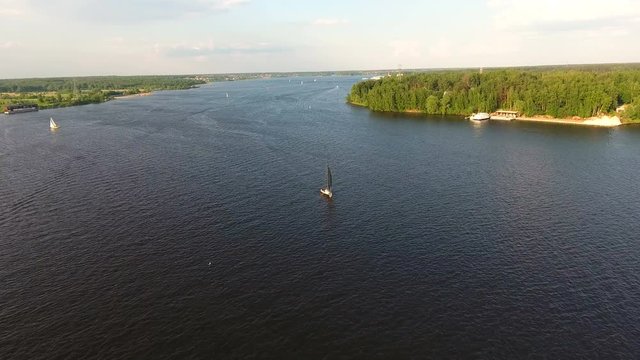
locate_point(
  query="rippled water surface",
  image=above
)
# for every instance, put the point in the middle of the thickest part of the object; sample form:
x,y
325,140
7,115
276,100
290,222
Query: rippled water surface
x,y
189,225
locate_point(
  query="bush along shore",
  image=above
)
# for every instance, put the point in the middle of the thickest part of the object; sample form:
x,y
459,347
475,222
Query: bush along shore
x,y
60,92
576,93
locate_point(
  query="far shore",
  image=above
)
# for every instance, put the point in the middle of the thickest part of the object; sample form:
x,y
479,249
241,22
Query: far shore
x,y
132,95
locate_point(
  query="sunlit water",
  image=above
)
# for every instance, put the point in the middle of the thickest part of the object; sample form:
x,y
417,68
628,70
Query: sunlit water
x,y
189,224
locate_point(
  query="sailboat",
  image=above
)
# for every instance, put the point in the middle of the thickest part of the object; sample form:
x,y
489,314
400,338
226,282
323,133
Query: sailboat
x,y
227,94
52,124
327,190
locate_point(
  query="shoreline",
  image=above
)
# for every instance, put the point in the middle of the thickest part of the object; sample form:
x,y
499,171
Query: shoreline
x,y
52,93
120,97
597,121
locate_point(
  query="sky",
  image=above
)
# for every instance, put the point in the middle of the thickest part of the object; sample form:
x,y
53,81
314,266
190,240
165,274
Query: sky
x,y
42,38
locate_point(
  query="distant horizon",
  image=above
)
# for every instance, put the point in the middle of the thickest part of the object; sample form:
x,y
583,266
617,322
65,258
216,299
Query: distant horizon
x,y
66,38
331,71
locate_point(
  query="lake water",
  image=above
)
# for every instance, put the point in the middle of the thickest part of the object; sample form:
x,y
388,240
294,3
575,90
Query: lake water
x,y
189,225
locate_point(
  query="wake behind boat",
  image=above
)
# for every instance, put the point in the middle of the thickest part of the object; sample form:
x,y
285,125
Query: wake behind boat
x,y
327,190
52,124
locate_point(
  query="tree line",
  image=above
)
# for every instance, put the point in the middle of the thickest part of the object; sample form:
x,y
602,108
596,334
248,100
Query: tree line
x,y
92,83
61,92
556,91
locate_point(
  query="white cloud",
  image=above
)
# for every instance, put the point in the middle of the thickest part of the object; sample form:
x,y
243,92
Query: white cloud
x,y
441,49
202,50
562,16
133,11
556,32
11,12
329,22
227,4
115,40
406,49
12,8
9,45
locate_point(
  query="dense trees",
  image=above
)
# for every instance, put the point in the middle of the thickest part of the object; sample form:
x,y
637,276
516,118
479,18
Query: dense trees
x,y
58,92
96,83
559,92
632,111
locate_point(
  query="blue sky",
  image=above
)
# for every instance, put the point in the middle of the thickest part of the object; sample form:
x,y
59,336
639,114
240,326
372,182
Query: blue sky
x,y
121,37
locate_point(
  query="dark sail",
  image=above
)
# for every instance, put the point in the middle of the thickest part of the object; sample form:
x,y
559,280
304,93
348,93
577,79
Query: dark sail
x,y
328,178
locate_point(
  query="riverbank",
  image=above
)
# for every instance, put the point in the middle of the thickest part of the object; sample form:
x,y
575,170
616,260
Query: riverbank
x,y
48,93
81,101
119,97
600,121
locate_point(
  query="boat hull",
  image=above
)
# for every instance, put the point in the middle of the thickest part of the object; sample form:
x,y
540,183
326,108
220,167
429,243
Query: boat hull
x,y
19,111
326,192
479,117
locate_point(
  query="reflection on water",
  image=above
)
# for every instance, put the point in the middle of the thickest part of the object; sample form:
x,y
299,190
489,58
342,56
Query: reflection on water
x,y
478,127
329,212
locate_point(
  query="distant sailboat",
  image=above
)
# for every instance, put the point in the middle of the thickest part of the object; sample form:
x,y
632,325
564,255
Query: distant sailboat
x,y
227,94
327,190
52,124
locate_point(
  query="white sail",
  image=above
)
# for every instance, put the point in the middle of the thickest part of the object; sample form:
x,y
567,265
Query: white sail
x,y
52,124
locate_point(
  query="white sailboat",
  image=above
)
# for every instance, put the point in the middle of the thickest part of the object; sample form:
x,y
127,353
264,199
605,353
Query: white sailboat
x,y
327,190
52,124
227,94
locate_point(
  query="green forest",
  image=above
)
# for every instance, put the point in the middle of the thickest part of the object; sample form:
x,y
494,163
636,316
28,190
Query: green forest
x,y
60,92
559,92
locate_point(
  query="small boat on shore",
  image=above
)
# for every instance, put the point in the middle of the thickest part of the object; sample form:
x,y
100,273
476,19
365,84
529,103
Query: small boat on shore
x,y
16,109
327,190
52,124
479,117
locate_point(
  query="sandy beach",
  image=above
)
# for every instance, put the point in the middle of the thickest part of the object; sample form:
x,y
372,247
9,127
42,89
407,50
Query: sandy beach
x,y
603,121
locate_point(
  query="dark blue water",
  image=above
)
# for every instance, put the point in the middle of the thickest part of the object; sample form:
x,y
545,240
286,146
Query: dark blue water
x,y
190,225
